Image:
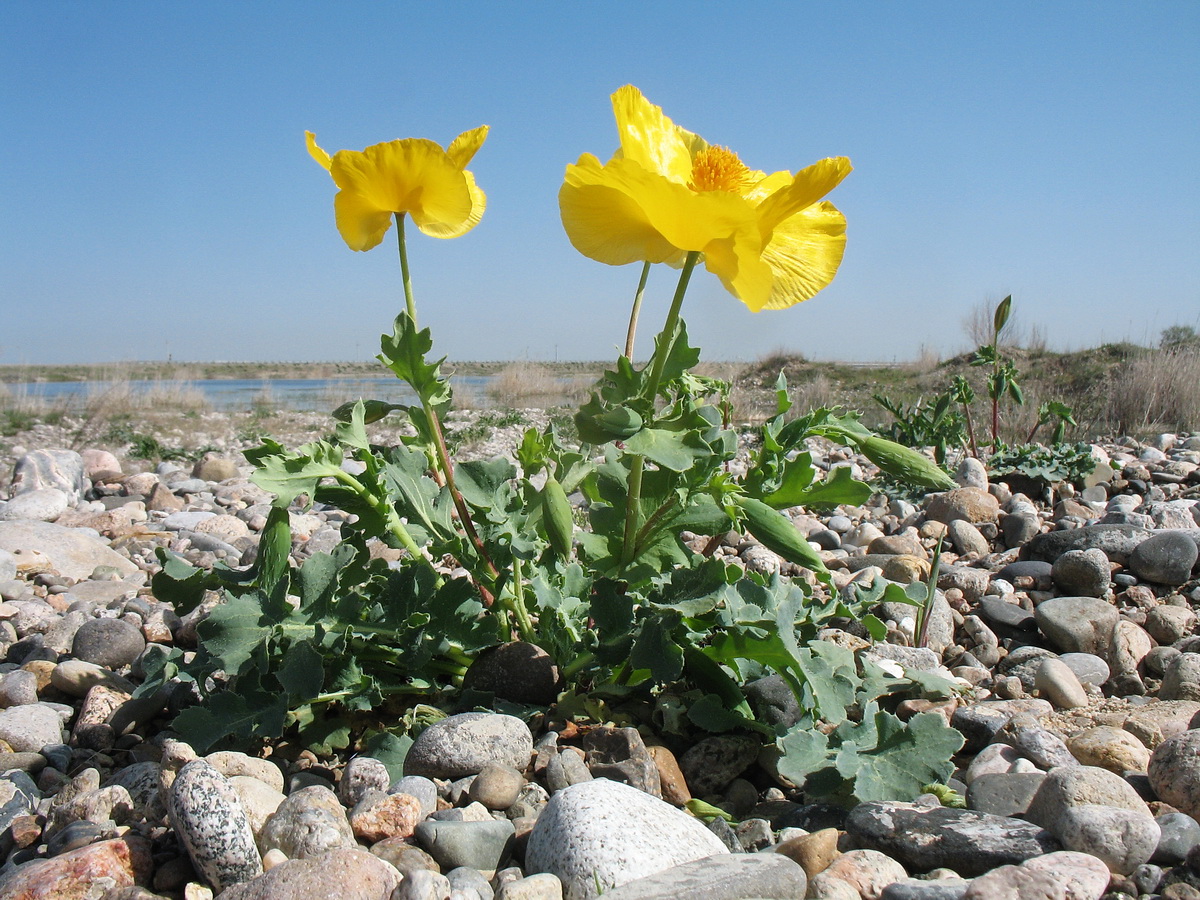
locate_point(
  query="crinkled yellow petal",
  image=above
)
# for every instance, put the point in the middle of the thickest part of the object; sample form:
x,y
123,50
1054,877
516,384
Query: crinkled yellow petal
x,y
413,176
804,253
314,151
605,222
650,138
361,224
464,147
737,261
809,186
765,185
442,230
620,213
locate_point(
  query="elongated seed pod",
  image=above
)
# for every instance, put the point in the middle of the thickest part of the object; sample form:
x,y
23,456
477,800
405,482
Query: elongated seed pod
x,y
777,533
905,464
556,512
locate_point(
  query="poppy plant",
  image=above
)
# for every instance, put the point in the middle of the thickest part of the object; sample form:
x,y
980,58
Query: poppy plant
x,y
667,193
413,177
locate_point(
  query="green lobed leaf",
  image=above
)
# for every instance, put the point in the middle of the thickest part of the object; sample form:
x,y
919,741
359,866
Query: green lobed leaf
x,y
289,475
301,673
234,630
404,351
228,714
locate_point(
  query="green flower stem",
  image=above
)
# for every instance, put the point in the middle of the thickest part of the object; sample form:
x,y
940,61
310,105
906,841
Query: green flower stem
x,y
662,350
435,424
668,332
637,308
389,514
517,604
577,665
405,275
632,512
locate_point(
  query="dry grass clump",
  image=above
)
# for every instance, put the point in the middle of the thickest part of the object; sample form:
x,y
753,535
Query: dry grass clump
x,y
1155,392
530,385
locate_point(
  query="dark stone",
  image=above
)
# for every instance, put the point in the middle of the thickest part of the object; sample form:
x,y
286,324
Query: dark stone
x,y
111,643
924,838
1008,615
1037,569
773,701
1166,557
619,754
714,762
517,671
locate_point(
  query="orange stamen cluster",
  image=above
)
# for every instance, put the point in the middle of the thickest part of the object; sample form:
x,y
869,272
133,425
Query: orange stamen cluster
x,y
719,169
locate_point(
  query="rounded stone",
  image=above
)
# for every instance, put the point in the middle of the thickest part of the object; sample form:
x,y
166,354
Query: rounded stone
x,y
360,776
463,744
1168,624
1109,748
1058,683
29,728
1181,678
1166,557
599,834
970,503
1122,839
309,823
111,643
1082,573
208,817
1180,833
1174,772
346,873
496,786
1078,624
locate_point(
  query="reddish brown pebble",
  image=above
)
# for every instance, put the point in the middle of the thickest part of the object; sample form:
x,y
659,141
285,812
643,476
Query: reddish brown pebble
x,y
124,862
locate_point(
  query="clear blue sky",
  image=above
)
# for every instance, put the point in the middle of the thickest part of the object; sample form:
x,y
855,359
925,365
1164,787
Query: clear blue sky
x,y
158,198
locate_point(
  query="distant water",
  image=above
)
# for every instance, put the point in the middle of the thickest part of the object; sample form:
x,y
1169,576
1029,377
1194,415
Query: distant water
x,y
241,394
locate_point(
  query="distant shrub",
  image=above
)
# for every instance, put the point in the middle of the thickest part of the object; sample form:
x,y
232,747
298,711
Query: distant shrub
x,y
1155,390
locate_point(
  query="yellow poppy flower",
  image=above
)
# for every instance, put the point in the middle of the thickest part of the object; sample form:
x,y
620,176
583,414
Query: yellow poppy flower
x,y
771,239
412,176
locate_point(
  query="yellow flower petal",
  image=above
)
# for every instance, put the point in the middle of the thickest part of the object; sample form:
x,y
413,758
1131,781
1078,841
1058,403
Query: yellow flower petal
x,y
413,176
605,222
650,138
442,230
622,212
809,186
804,253
361,224
314,151
738,262
464,147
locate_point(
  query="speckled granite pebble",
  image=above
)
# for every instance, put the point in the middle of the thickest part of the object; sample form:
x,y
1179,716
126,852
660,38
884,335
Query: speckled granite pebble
x,y
208,817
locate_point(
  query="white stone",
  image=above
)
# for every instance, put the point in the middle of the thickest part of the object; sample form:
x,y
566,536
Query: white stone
x,y
598,834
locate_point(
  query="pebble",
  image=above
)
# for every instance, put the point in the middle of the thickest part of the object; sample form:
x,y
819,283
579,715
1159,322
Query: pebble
x,y
600,834
463,744
207,815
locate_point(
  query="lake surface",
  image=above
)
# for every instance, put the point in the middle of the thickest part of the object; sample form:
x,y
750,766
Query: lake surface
x,y
242,394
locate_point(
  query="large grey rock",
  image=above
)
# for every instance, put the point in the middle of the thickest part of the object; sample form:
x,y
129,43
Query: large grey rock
x,y
73,552
1174,772
462,745
29,728
923,838
41,469
43,504
730,877
1117,542
111,643
1122,839
1166,557
207,816
479,845
1078,624
600,834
